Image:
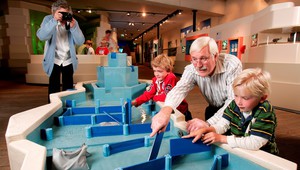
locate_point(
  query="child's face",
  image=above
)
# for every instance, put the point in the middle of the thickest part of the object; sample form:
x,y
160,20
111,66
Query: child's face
x,y
103,44
160,73
245,100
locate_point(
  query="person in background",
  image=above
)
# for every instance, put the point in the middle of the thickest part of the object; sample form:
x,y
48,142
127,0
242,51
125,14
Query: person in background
x,y
213,73
88,50
80,48
250,118
112,44
102,49
162,83
60,53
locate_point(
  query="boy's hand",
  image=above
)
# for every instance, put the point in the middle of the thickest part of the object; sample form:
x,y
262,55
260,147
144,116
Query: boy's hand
x,y
197,134
213,137
133,103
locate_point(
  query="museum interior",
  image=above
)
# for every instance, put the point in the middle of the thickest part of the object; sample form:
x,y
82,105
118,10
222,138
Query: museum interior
x,y
260,33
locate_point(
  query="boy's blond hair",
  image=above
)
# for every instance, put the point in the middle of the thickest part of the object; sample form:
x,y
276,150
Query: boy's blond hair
x,y
255,80
163,62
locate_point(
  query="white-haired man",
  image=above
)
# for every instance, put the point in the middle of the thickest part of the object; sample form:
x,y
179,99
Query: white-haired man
x,y
213,73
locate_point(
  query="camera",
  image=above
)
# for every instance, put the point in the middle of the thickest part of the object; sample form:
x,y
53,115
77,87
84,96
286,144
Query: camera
x,y
66,16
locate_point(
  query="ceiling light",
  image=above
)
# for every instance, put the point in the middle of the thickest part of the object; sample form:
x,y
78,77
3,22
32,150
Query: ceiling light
x,y
143,14
128,13
180,12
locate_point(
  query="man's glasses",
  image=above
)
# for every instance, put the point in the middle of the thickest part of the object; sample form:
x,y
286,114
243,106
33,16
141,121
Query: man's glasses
x,y
202,59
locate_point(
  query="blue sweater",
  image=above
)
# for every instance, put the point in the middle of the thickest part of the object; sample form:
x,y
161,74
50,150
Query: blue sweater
x,y
47,32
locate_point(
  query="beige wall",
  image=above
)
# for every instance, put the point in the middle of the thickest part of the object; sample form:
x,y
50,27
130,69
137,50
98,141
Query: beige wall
x,y
281,60
15,36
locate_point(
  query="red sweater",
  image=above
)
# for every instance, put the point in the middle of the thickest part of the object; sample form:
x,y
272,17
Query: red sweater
x,y
101,51
157,91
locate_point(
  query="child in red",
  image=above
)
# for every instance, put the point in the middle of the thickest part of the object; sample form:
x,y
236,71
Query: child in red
x,y
102,49
162,83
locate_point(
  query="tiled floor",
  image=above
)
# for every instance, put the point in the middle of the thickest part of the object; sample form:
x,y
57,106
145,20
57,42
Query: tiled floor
x,y
17,96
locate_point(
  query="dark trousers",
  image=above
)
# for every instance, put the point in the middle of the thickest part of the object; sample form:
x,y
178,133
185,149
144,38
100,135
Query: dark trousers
x,y
188,115
210,111
54,79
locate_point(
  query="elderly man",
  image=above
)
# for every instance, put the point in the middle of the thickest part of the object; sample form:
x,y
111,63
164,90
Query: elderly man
x,y
213,73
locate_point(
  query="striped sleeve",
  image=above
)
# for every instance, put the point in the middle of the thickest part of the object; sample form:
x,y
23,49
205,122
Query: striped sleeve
x,y
265,123
229,111
181,89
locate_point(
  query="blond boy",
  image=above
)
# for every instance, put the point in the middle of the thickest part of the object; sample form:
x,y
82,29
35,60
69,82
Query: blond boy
x,y
249,117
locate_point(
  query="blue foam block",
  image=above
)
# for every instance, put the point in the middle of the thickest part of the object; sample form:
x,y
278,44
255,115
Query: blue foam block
x,y
117,59
220,161
76,120
156,146
68,103
126,145
157,164
189,147
109,77
106,130
83,110
140,128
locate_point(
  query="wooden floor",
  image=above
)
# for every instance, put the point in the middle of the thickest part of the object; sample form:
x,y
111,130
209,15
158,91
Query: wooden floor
x,y
17,96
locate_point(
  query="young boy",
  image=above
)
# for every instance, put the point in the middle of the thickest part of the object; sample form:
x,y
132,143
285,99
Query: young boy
x,y
249,117
102,49
162,83
89,50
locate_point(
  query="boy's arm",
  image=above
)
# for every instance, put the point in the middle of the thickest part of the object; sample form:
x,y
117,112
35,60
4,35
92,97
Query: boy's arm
x,y
222,126
250,142
147,95
261,130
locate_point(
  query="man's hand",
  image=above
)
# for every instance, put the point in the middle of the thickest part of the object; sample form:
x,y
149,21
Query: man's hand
x,y
72,23
195,124
57,15
161,120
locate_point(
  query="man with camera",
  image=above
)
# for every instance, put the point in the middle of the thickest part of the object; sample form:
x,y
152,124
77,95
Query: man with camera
x,y
61,32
